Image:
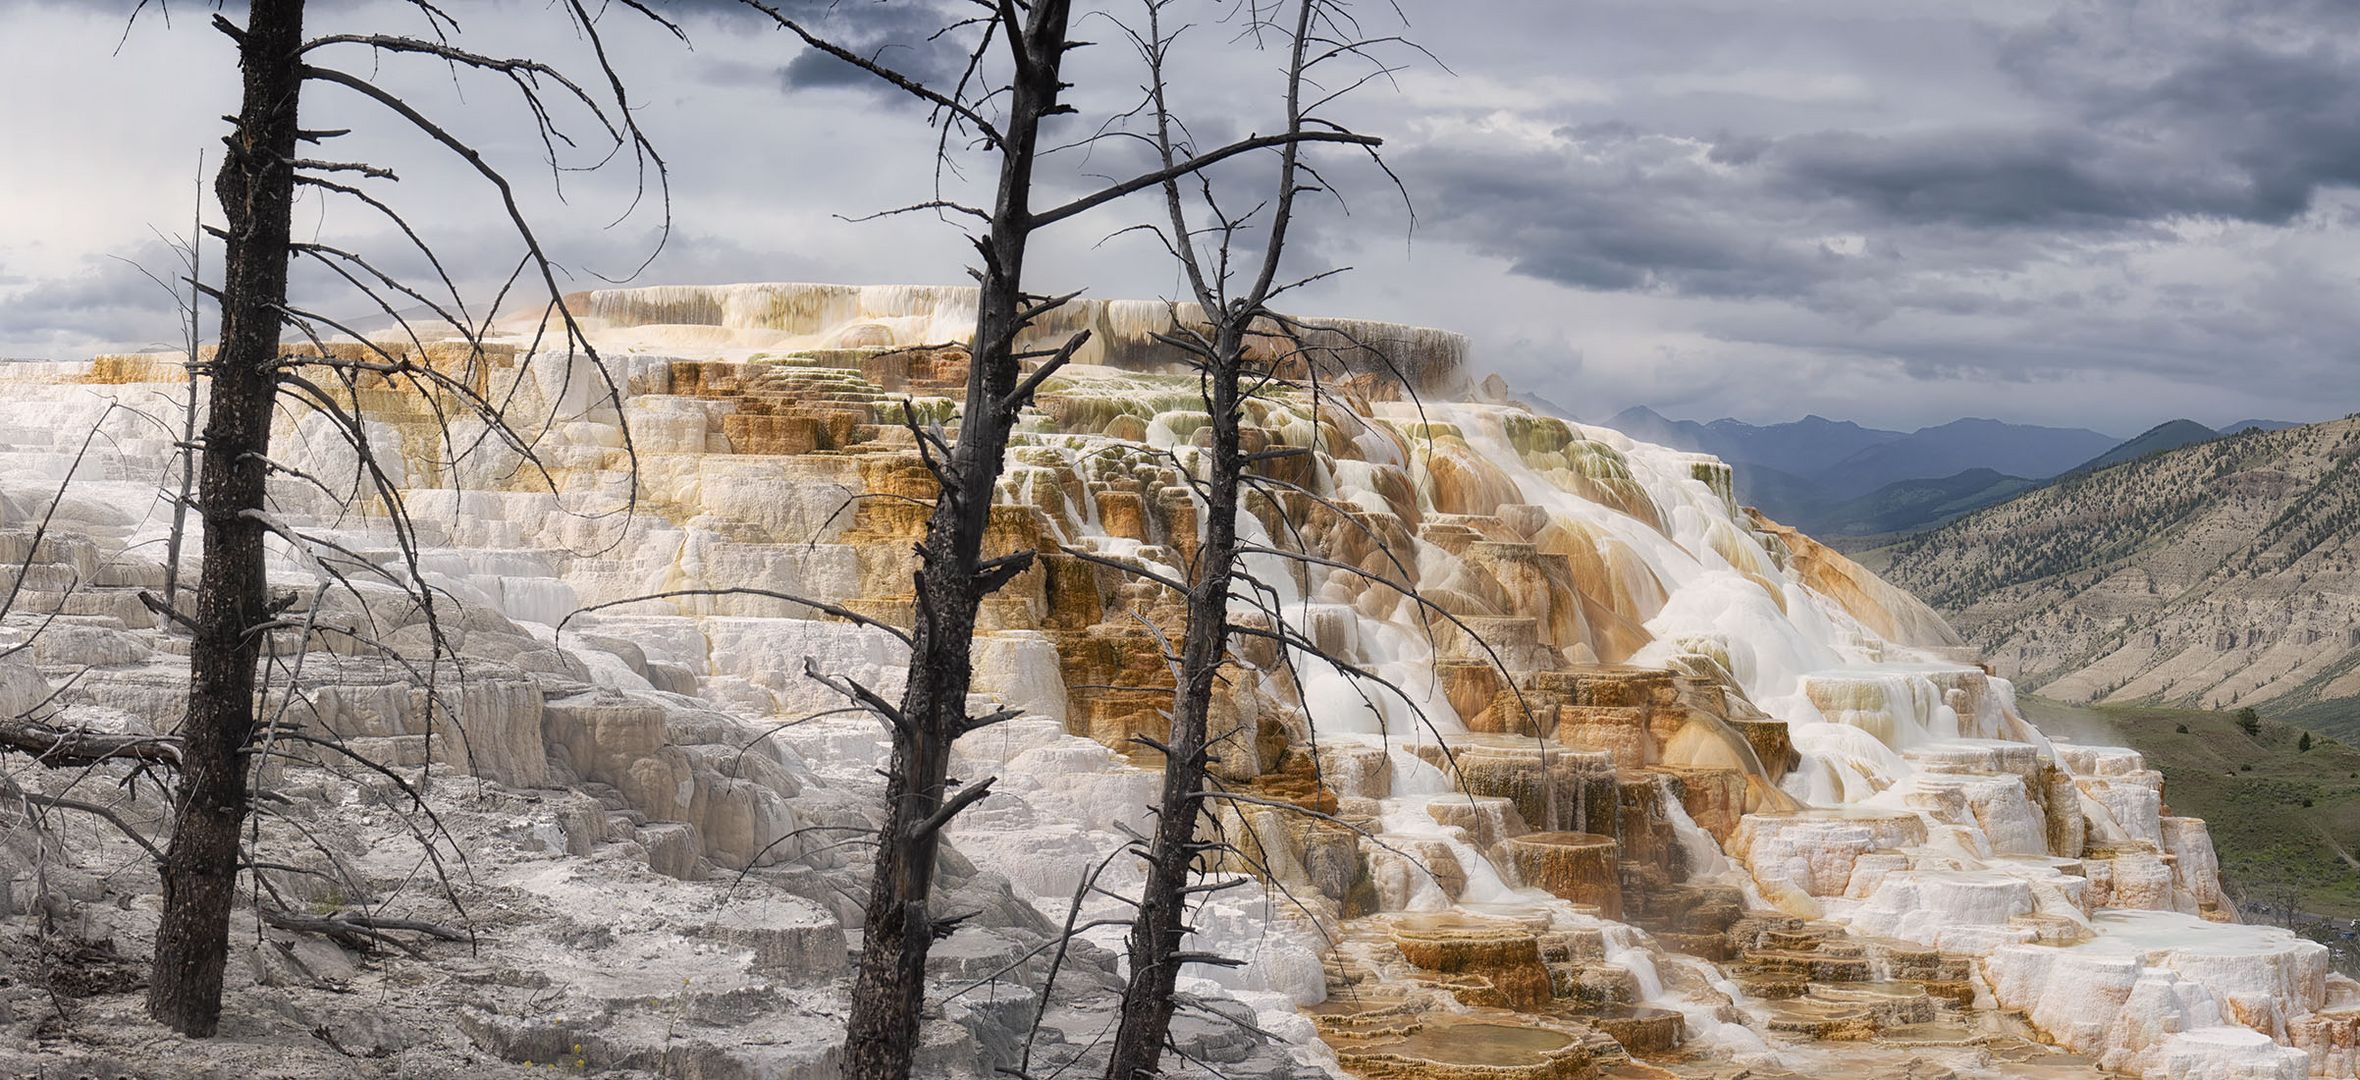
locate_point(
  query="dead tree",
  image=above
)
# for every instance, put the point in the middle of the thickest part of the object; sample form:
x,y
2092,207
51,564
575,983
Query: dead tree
x,y
256,186
1012,87
188,404
251,375
1237,344
953,577
191,254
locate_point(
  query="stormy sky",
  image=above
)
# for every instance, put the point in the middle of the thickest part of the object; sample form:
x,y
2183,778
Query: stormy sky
x,y
2102,213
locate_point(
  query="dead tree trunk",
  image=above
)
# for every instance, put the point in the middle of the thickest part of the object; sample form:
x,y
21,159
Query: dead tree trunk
x,y
188,408
232,610
1161,926
1234,313
953,577
952,580
256,186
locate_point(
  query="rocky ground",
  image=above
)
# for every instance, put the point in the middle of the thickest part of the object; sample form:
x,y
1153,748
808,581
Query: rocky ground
x,y
592,940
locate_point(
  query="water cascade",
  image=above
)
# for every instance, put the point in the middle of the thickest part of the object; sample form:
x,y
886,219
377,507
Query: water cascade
x,y
1660,787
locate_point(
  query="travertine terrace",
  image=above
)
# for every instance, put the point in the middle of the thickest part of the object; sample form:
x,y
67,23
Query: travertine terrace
x,y
1671,788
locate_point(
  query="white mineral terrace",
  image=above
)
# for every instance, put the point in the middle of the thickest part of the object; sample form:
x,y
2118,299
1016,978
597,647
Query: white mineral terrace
x,y
1917,808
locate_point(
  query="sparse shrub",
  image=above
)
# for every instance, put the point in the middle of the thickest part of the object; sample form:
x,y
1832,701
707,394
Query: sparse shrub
x,y
2181,728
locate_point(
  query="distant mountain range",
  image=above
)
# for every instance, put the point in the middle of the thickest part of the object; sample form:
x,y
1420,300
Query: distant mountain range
x,y
1839,478
1802,448
2013,449
1836,478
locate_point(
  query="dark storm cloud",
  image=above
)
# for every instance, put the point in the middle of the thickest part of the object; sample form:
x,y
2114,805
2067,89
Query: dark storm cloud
x,y
2153,113
2233,111
1612,210
915,37
2263,98
2048,179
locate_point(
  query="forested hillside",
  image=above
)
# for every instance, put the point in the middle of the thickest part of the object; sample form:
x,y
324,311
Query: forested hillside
x,y
2218,574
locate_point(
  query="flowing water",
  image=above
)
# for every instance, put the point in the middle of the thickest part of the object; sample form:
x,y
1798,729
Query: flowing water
x,y
1825,834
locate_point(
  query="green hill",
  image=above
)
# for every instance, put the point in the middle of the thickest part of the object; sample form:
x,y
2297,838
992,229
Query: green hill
x,y
1910,505
2169,435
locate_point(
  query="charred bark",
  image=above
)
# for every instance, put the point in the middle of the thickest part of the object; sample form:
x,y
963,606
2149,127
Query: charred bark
x,y
256,186
953,578
1162,923
1229,376
881,1033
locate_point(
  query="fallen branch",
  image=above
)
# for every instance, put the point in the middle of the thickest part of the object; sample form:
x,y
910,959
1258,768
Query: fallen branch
x,y
60,748
360,931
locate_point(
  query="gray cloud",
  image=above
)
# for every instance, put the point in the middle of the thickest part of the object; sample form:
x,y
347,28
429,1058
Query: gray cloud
x,y
918,38
104,301
2221,120
2111,191
2089,211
